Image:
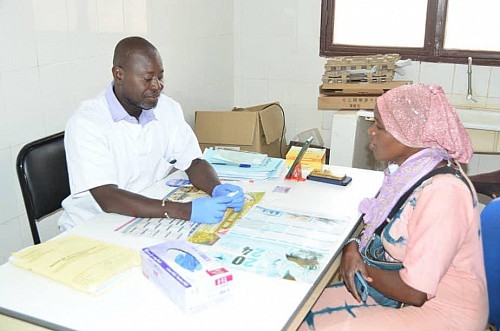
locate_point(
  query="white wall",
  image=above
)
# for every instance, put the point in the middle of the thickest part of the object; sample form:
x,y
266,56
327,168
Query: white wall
x,y
56,53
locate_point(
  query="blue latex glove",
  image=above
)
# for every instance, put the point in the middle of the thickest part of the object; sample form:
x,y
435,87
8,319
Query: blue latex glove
x,y
187,261
238,199
209,210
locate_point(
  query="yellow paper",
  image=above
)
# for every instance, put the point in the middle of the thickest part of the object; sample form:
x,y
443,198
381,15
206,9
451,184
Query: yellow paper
x,y
85,264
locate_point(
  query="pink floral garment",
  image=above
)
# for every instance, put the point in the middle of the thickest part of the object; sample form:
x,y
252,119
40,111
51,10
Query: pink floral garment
x,y
437,236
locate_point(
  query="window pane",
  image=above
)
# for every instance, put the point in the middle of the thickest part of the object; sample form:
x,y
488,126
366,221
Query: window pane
x,y
473,25
380,22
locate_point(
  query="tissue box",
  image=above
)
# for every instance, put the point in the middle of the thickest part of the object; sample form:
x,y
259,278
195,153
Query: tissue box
x,y
190,290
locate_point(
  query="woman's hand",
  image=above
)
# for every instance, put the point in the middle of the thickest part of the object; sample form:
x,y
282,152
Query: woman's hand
x,y
350,263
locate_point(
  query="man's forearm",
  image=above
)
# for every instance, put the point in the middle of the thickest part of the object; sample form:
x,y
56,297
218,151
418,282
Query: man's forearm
x,y
111,199
202,175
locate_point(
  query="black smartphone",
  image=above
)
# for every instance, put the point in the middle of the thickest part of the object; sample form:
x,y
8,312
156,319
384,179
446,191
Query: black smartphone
x,y
343,182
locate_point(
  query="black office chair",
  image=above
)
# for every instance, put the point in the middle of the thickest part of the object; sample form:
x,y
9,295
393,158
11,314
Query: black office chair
x,y
43,176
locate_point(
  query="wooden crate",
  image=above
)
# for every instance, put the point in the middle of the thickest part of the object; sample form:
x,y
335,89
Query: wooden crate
x,y
344,69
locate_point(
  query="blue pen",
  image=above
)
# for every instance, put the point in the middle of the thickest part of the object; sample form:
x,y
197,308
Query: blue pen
x,y
241,165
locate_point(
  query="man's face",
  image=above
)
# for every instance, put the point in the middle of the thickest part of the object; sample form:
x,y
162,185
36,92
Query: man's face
x,y
141,82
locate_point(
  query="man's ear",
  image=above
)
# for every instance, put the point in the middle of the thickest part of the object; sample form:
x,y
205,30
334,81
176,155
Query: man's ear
x,y
117,73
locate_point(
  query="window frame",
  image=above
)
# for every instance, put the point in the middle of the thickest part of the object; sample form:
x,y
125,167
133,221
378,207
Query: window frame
x,y
433,41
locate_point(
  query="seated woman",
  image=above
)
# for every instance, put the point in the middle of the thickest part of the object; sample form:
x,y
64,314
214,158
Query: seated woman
x,y
434,236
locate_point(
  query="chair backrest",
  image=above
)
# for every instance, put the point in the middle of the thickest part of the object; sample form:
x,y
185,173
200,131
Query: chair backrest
x,y
490,229
43,175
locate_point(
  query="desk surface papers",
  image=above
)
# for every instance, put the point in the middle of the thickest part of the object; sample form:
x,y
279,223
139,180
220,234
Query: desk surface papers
x,y
277,243
85,264
269,242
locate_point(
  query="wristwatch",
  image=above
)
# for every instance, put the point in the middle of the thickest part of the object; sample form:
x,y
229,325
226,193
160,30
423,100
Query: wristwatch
x,y
357,240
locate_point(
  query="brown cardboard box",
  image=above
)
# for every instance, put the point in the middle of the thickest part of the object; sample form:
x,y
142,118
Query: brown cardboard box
x,y
257,129
351,102
353,96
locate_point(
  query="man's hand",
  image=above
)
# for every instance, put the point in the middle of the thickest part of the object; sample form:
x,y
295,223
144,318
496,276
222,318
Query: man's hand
x,y
209,210
233,191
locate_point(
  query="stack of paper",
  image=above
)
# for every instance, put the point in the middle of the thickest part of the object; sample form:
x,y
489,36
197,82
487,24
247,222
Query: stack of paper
x,y
85,264
243,165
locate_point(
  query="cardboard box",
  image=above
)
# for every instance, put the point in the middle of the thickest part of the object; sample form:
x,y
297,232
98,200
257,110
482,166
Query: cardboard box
x,y
356,89
256,129
347,102
313,158
189,290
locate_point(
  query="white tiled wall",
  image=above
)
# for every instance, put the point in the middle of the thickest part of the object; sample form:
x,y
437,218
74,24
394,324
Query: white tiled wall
x,y
277,58
217,54
56,53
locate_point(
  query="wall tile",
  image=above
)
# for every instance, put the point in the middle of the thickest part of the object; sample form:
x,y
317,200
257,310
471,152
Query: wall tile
x,y
437,73
17,35
135,17
283,24
326,120
282,91
255,17
237,91
56,101
18,195
218,58
494,87
8,204
98,68
51,34
306,94
24,228
110,16
281,58
4,141
159,28
253,92
10,238
480,80
309,66
254,56
26,121
493,103
411,72
95,26
237,54
217,17
309,18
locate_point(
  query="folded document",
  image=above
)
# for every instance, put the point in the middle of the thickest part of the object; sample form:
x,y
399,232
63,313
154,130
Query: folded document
x,y
85,264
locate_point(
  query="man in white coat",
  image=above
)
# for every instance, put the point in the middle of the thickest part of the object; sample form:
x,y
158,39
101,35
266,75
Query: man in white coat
x,y
131,136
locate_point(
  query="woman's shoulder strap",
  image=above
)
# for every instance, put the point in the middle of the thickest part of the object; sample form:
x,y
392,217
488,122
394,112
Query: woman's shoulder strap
x,y
432,173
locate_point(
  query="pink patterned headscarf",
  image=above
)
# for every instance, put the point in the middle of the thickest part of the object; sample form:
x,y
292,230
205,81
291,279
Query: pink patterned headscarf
x,y
421,116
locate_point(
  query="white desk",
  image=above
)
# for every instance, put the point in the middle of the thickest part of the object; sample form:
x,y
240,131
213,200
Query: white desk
x,y
257,302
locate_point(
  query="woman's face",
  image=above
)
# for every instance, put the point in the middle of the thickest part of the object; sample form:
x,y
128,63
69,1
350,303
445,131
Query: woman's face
x,y
384,146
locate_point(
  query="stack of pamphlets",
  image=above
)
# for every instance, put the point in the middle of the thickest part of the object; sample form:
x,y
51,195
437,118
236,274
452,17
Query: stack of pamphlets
x,y
242,165
85,264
